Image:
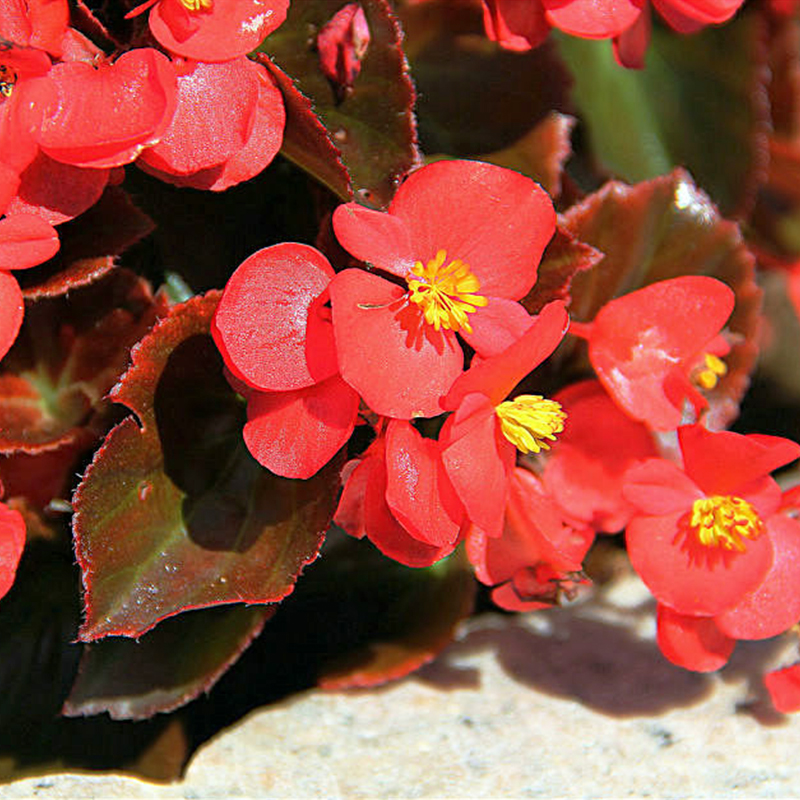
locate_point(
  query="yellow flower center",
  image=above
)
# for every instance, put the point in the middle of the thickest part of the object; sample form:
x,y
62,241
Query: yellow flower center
x,y
445,293
708,375
8,79
197,5
529,420
724,521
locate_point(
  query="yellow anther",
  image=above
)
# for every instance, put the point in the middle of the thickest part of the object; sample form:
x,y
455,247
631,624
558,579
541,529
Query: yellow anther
x,y
445,293
529,420
197,5
8,79
724,521
708,375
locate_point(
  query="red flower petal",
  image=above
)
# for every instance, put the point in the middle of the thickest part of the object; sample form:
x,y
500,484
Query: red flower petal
x,y
681,13
692,642
496,326
515,24
295,434
398,363
478,460
12,309
659,487
57,192
723,462
349,514
261,323
106,114
12,543
497,376
774,606
418,491
689,577
376,237
386,533
213,119
230,28
592,19
630,46
585,468
262,145
783,686
25,241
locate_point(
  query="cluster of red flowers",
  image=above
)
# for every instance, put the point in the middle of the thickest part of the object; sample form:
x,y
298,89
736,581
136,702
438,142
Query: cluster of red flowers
x,y
420,358
460,455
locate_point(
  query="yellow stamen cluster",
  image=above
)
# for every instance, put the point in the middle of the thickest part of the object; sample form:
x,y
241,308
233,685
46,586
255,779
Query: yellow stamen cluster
x,y
197,5
445,293
707,376
529,420
8,79
724,521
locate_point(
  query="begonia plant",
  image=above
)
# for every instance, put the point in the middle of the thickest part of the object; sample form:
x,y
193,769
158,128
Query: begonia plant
x,y
327,324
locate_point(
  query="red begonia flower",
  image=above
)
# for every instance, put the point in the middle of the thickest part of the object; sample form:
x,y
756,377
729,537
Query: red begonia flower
x,y
584,471
460,234
12,310
701,538
481,439
227,127
12,543
364,510
342,44
537,555
35,23
783,686
212,30
694,643
105,114
515,24
653,347
275,336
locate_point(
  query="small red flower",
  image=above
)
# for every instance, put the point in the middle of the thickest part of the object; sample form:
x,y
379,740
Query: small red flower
x,y
399,496
482,438
657,347
465,238
342,45
706,536
212,30
538,557
275,336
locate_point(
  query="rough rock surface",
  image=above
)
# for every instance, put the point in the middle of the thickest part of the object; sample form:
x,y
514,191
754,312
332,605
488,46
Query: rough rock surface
x,y
576,703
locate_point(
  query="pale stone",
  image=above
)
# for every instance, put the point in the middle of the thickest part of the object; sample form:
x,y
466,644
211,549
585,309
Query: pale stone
x,y
575,702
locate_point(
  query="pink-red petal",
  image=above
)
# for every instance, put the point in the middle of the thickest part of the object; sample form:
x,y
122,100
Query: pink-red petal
x,y
592,19
25,241
261,323
12,309
295,434
783,686
694,643
12,543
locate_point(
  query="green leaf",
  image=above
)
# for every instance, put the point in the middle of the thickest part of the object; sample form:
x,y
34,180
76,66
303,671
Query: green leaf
x,y
700,103
373,127
662,229
173,513
167,667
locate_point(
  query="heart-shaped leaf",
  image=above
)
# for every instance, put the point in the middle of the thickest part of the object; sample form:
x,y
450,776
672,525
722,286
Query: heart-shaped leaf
x,y
167,667
700,102
373,127
173,513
